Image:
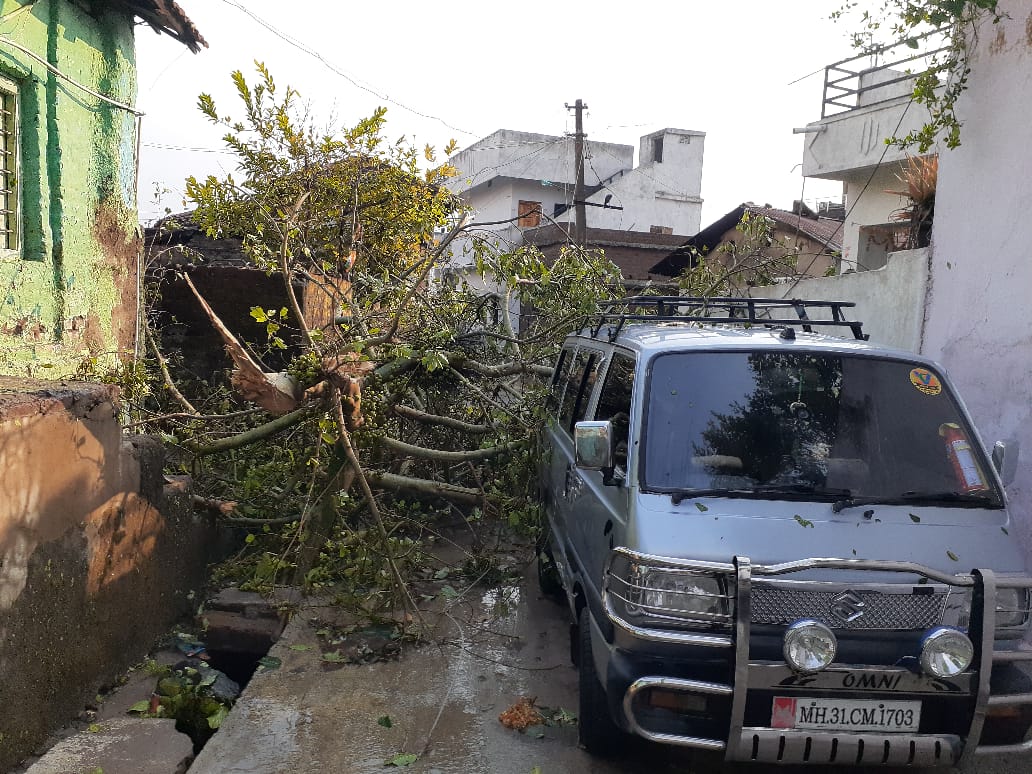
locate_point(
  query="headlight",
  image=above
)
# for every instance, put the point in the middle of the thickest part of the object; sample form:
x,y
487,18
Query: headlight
x,y
672,596
946,652
809,646
1011,607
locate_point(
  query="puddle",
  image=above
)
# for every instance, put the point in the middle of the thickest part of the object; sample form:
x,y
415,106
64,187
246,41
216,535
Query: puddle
x,y
501,601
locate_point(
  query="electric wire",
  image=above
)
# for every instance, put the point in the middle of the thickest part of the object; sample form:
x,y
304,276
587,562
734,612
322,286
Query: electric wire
x,y
334,69
799,277
102,97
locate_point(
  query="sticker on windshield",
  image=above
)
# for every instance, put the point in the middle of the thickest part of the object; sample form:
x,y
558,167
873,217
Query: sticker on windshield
x,y
925,381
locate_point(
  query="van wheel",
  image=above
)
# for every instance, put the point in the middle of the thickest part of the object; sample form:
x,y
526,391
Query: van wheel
x,y
598,733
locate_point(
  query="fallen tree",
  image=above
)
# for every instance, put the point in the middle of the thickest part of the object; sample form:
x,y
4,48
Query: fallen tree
x,y
401,391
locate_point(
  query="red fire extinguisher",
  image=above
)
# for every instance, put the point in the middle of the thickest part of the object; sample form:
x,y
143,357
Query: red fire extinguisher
x,y
958,452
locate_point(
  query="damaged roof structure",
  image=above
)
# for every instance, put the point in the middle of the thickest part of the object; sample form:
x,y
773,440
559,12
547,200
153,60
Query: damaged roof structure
x,y
163,16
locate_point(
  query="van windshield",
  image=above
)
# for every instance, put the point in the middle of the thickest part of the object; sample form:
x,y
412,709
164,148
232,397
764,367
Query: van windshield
x,y
805,425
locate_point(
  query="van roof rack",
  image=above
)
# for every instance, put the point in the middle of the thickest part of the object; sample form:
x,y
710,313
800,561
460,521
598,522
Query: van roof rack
x,y
719,309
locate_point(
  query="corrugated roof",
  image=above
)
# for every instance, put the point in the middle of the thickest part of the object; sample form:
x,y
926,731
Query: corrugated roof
x,y
826,231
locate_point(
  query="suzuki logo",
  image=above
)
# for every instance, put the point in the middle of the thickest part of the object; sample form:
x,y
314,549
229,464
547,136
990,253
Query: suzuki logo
x,y
847,606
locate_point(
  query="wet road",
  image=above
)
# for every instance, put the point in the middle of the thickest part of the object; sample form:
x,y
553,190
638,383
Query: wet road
x,y
443,702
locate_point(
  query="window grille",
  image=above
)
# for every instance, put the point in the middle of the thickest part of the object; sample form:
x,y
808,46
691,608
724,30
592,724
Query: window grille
x,y
8,166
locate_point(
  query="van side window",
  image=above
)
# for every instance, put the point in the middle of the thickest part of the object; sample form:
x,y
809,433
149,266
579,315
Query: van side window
x,y
560,379
614,404
578,391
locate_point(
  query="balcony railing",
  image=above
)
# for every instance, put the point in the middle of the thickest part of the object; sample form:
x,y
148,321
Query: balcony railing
x,y
880,75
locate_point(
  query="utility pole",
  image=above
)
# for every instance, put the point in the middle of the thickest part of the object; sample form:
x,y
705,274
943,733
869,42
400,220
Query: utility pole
x,y
578,191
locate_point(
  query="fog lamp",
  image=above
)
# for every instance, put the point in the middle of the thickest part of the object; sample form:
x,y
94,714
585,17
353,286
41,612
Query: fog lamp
x,y
809,646
946,652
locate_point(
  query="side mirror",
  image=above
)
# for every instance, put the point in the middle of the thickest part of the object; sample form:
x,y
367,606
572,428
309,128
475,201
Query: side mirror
x,y
593,446
1005,460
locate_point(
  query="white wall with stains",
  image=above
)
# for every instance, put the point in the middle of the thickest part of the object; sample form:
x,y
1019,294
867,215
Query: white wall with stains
x,y
978,318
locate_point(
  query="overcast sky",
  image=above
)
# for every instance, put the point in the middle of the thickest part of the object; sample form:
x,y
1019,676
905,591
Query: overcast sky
x,y
465,68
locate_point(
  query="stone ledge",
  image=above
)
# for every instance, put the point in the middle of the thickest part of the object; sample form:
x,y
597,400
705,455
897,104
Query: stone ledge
x,y
120,746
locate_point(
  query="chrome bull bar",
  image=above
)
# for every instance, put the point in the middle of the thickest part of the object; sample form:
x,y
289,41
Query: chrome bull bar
x,y
772,745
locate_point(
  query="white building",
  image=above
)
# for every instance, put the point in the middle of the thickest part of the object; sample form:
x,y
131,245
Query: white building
x,y
528,180
862,107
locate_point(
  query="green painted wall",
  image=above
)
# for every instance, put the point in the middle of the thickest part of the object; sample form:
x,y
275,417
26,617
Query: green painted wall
x,y
69,294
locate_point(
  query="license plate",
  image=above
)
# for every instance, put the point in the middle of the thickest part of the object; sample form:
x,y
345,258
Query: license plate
x,y
845,714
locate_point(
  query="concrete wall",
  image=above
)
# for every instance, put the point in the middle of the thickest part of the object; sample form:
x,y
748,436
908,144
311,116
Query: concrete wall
x,y
70,291
680,169
978,318
538,156
868,201
95,556
889,301
855,140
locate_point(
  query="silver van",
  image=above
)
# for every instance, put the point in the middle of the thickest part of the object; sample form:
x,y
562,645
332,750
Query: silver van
x,y
781,544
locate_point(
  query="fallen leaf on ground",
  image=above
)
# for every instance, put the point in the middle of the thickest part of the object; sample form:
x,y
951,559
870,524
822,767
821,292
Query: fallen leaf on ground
x,y
521,715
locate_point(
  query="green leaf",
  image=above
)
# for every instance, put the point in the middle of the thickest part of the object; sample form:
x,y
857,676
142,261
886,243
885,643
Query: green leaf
x,y
385,721
215,720
403,759
803,522
259,314
914,518
701,507
334,657
300,647
952,556
449,592
270,662
94,728
140,706
1004,530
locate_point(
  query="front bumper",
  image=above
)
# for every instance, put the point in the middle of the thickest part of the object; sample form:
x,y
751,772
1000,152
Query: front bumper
x,y
730,697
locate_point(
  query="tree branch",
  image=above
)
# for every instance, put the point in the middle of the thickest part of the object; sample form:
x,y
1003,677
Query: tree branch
x,y
435,419
502,369
167,376
249,436
396,483
447,456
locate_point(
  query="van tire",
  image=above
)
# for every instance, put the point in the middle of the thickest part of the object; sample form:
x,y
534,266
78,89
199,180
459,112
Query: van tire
x,y
597,732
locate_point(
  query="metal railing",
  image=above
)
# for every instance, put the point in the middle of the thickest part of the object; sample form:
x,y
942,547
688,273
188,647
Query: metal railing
x,y
853,82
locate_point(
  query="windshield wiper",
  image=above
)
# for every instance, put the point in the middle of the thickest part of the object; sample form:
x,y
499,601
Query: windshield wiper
x,y
799,488
924,498
759,491
933,498
678,497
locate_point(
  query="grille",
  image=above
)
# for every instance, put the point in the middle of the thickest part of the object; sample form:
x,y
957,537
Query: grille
x,y
782,606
